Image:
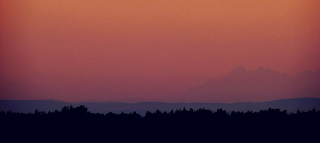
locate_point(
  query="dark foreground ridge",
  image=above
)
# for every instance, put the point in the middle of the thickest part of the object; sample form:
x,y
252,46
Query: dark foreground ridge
x,y
202,125
29,106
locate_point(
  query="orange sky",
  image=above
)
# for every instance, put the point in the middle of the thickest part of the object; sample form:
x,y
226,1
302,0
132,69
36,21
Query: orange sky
x,y
78,50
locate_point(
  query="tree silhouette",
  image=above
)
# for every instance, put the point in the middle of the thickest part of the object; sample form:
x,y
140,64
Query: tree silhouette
x,y
181,125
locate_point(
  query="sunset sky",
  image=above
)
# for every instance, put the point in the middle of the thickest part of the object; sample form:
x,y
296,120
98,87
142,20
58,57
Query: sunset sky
x,y
101,50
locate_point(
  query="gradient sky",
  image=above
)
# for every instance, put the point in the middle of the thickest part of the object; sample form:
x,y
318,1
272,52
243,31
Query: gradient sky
x,y
76,50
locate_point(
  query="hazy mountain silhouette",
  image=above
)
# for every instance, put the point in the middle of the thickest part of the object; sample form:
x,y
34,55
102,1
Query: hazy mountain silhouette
x,y
263,84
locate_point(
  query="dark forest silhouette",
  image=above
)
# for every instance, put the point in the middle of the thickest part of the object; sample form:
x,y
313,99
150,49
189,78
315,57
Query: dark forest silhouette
x,y
78,124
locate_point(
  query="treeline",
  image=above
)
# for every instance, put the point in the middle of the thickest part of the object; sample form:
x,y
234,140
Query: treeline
x,y
78,124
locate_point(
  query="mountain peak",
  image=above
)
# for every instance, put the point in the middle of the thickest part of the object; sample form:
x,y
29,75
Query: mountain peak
x,y
261,68
239,69
266,71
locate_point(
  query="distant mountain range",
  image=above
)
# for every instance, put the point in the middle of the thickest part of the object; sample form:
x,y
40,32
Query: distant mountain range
x,y
251,88
29,106
263,84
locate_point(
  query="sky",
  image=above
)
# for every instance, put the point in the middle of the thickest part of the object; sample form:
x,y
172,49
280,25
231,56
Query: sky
x,y
96,50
